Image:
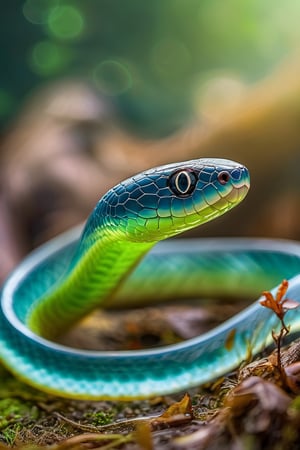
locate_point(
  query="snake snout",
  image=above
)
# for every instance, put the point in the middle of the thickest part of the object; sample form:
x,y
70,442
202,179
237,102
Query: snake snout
x,y
241,177
240,184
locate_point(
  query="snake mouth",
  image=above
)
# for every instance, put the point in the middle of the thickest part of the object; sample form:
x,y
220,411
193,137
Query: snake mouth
x,y
241,186
245,179
238,194
243,191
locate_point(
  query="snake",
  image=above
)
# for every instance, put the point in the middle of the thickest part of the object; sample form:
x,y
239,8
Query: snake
x,y
128,254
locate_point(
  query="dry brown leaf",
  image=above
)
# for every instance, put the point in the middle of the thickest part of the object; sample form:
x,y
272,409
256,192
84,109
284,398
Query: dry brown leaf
x,y
276,303
143,436
257,402
178,413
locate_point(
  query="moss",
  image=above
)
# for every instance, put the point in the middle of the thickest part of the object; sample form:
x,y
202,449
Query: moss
x,y
9,435
100,418
13,410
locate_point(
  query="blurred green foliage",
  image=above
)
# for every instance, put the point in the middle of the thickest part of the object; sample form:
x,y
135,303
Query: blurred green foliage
x,y
149,57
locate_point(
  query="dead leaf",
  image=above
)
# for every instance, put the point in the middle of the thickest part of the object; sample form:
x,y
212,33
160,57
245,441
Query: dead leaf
x,y
278,304
143,436
275,303
257,402
178,413
292,379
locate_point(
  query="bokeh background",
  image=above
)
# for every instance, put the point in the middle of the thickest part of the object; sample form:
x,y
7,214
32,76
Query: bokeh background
x,y
92,92
153,59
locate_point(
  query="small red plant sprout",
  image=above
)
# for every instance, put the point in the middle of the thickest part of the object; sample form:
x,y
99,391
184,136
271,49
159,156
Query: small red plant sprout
x,y
279,305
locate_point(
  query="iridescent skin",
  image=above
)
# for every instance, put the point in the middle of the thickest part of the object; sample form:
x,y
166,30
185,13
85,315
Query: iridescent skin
x,y
68,277
126,223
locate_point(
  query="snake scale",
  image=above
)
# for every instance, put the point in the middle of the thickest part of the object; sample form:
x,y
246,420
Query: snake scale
x,y
113,262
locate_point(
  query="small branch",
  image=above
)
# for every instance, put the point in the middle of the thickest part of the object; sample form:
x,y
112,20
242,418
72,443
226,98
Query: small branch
x,y
279,305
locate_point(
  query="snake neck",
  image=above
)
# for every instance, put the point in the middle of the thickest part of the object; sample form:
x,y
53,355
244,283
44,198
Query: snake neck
x,y
101,263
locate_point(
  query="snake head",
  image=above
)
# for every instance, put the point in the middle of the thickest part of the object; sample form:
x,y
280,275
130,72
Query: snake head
x,y
170,199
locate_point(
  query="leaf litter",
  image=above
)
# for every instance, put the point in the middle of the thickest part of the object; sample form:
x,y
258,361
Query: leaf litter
x,y
255,407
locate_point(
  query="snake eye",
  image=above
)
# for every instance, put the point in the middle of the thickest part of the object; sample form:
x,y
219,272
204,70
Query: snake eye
x,y
223,177
183,182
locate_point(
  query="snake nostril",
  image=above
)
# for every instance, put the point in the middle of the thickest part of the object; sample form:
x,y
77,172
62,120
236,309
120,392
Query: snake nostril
x,y
224,177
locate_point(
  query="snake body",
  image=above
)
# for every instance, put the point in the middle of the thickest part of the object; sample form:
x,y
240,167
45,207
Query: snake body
x,y
108,264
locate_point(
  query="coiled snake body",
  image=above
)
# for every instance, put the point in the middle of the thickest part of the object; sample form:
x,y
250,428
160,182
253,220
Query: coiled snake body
x,y
68,277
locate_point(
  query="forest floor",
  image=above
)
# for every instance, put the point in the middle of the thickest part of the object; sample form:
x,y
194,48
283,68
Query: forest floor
x,y
255,407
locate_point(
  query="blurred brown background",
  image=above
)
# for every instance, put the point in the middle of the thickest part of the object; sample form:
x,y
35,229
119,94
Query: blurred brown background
x,y
93,92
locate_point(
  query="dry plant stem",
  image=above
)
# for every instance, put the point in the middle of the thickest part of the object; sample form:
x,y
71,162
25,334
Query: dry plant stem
x,y
278,338
80,426
279,305
115,440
